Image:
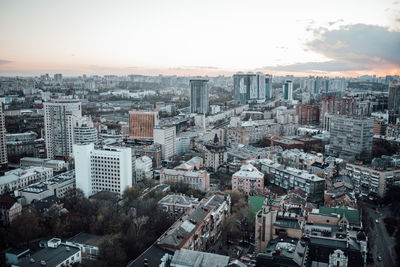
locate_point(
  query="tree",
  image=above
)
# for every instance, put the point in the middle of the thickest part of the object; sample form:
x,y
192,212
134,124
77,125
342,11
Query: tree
x,y
131,194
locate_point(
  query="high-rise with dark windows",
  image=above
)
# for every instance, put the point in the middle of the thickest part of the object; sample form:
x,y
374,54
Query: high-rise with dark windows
x,y
199,96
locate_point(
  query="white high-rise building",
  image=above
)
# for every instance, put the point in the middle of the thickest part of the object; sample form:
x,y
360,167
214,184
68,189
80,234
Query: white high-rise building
x,y
108,169
84,131
166,137
58,126
3,147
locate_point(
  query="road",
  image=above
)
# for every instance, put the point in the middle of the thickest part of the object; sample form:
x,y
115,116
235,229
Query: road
x,y
383,242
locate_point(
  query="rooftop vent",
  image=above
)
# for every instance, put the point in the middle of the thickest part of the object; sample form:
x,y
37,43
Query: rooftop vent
x,y
43,263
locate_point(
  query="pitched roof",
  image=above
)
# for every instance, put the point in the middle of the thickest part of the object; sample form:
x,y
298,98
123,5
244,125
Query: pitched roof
x,y
7,201
352,215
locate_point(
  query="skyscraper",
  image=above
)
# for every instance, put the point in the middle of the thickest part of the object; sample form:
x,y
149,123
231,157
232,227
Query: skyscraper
x,y
58,126
288,90
268,86
3,147
199,96
249,88
142,123
394,101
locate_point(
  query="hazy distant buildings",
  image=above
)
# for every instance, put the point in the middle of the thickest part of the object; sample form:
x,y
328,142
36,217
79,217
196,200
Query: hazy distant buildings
x,y
288,90
351,137
166,137
3,147
199,96
108,169
58,77
58,126
142,123
249,88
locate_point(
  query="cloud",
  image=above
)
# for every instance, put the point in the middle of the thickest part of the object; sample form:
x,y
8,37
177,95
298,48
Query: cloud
x,y
351,47
3,61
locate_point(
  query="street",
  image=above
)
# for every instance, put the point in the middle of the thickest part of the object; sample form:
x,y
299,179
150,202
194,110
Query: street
x,y
383,243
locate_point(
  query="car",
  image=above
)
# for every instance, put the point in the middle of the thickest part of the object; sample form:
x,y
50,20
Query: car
x,y
377,221
379,258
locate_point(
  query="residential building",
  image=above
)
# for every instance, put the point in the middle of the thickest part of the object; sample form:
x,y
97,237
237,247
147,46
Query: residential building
x,y
394,96
191,258
288,90
166,137
3,147
341,216
291,178
21,145
249,88
153,151
56,165
143,168
328,104
370,181
84,131
18,178
59,186
58,126
379,126
142,124
108,169
199,102
199,228
248,179
178,204
216,154
351,137
55,254
199,180
307,114
9,209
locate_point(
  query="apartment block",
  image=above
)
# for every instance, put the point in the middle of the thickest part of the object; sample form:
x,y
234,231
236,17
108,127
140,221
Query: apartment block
x,y
166,137
248,179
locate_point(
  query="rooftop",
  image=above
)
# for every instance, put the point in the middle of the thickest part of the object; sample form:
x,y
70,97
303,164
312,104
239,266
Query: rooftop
x,y
51,256
185,257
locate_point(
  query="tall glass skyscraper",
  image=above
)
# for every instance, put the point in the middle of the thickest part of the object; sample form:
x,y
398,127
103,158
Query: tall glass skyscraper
x,y
199,96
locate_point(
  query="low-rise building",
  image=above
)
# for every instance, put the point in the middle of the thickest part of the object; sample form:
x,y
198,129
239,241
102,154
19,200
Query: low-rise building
x,y
58,185
248,179
88,243
18,178
177,205
143,168
55,254
345,217
9,209
56,165
372,181
291,178
199,180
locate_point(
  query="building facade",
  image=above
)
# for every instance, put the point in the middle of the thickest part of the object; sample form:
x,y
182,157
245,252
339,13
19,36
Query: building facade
x,y
3,147
248,179
351,137
142,123
58,126
84,131
199,180
288,90
249,88
166,137
108,169
199,102
307,114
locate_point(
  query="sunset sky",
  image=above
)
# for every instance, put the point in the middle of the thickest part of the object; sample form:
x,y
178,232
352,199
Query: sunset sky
x,y
205,37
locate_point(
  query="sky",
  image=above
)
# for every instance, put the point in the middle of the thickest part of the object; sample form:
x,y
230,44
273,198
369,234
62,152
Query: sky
x,y
203,37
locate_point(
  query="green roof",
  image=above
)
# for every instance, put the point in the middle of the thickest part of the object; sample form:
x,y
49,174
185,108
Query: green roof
x,y
255,204
353,216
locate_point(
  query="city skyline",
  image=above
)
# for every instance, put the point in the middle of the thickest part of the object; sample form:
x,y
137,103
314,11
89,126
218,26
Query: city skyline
x,y
341,38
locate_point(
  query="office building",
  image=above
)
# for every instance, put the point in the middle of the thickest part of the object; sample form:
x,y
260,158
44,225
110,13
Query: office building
x,y
248,179
249,88
288,90
307,114
84,131
58,126
268,86
108,169
199,96
351,137
3,147
142,124
166,137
